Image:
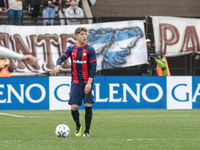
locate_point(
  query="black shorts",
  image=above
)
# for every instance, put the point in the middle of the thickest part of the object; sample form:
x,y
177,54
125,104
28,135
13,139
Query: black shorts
x,y
77,94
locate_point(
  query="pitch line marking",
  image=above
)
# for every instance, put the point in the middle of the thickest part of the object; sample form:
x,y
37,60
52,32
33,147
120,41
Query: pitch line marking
x,y
12,115
106,140
144,116
18,116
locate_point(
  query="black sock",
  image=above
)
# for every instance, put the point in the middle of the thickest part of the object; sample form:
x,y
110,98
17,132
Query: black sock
x,y
75,115
88,118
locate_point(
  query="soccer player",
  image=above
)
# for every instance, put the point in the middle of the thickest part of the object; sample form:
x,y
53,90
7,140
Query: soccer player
x,y
83,69
5,52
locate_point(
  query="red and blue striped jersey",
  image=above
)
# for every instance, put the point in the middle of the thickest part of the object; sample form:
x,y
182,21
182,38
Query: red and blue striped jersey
x,y
83,62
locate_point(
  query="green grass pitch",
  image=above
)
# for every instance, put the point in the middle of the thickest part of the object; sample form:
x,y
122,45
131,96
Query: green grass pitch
x,y
110,130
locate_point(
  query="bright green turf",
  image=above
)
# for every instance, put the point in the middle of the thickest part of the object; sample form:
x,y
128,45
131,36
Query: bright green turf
x,y
110,130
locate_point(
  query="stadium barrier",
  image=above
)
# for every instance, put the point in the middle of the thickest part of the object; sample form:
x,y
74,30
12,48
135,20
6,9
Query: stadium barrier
x,y
111,92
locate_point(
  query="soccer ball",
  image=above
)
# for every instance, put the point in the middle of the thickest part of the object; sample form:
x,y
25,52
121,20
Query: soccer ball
x,y
62,130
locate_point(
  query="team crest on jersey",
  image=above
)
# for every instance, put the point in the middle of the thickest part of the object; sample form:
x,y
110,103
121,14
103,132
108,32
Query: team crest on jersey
x,y
84,54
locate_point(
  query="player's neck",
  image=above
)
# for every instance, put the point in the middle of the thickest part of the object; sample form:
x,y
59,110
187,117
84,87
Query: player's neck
x,y
79,44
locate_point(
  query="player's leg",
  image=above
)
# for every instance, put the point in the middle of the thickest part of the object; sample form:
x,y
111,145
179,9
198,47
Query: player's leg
x,y
88,100
88,118
75,101
75,116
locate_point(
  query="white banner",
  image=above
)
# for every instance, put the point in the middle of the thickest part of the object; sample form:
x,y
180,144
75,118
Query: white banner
x,y
179,92
118,44
176,35
59,95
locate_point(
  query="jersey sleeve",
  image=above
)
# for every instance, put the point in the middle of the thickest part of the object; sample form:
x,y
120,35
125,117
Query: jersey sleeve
x,y
64,56
93,55
5,52
93,63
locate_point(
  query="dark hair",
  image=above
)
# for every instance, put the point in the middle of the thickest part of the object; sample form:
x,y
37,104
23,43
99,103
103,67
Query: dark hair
x,y
71,0
78,30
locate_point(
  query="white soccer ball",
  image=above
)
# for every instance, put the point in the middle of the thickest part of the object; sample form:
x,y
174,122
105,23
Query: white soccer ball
x,y
62,130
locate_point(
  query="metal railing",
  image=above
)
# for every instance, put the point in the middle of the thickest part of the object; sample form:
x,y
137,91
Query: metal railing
x,y
38,21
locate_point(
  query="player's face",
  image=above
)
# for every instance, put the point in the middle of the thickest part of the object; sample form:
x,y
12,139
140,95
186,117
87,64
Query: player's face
x,y
82,37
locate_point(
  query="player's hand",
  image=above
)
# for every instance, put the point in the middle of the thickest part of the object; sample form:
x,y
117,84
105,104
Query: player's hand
x,y
87,88
155,58
29,59
55,71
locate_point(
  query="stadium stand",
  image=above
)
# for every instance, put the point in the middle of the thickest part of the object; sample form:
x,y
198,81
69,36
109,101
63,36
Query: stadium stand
x,y
117,10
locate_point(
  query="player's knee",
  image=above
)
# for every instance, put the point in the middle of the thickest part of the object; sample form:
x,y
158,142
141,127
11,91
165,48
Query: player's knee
x,y
74,107
88,105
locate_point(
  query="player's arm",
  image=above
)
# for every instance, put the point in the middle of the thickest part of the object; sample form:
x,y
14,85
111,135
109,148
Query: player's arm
x,y
63,57
55,70
30,59
93,64
5,52
88,85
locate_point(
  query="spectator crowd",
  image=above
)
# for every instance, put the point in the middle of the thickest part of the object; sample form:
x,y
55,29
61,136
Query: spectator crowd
x,y
70,9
